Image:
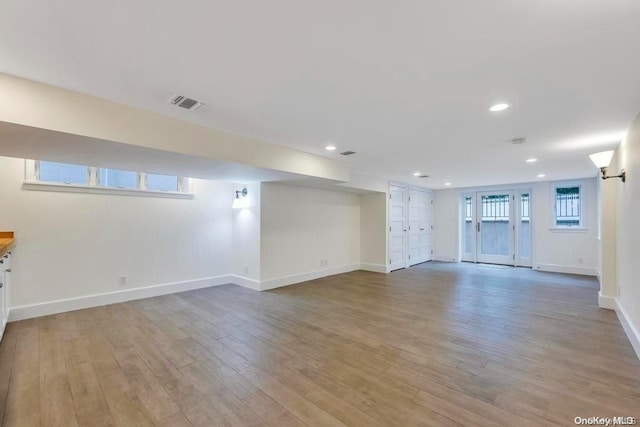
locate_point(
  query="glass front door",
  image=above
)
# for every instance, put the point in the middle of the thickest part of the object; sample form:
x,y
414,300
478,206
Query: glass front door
x,y
495,228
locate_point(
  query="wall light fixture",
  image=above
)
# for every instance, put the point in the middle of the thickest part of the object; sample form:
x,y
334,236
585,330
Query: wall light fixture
x,y
602,160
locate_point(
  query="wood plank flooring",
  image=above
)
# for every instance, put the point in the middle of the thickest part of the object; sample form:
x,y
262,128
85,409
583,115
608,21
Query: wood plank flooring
x,y
437,344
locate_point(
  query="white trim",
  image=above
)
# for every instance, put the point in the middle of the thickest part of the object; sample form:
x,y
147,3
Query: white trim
x,y
568,230
444,258
245,282
72,188
97,300
605,301
304,277
629,328
376,268
567,269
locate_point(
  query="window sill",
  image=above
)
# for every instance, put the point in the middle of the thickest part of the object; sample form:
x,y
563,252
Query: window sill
x,y
73,188
569,230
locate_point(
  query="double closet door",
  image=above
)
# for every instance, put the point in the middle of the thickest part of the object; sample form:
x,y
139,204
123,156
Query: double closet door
x,y
410,226
496,227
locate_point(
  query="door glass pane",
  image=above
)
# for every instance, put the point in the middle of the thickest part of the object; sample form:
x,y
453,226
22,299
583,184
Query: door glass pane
x,y
63,173
469,229
525,226
494,228
162,182
118,178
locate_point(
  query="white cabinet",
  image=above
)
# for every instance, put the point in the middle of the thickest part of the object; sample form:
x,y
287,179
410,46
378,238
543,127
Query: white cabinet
x,y
5,279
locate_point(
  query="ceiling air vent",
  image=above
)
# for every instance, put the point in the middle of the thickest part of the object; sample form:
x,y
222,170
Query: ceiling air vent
x,y
348,153
423,176
518,141
185,102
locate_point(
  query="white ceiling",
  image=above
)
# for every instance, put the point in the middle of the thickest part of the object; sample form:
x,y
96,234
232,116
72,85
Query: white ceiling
x,y
406,84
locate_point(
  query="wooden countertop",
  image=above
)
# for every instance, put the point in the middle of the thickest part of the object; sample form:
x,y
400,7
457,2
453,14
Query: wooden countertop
x,y
7,242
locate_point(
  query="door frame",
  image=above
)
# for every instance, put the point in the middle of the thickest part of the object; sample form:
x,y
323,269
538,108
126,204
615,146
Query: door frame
x,y
519,260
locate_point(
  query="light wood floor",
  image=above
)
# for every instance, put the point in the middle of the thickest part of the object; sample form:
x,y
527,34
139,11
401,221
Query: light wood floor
x,y
438,344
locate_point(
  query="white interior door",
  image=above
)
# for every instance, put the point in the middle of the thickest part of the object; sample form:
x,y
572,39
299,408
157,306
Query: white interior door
x,y
398,248
495,228
420,206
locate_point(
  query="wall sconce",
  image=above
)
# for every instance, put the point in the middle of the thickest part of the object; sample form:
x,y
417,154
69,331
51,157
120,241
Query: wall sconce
x,y
240,201
602,161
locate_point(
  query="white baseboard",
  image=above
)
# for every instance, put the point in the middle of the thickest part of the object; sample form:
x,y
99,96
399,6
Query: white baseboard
x,y
245,282
568,269
629,328
444,258
376,268
607,302
304,277
96,300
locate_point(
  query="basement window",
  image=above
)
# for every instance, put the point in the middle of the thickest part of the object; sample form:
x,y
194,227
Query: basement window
x,y
115,178
568,210
64,173
53,176
162,182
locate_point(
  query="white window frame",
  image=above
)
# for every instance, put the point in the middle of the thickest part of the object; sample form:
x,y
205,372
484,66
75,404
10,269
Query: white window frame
x,y
32,182
581,227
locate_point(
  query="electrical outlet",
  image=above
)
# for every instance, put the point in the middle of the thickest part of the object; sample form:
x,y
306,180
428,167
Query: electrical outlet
x,y
246,270
122,280
579,260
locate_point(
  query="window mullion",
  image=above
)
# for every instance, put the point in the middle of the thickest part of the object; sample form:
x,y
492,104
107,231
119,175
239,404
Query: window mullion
x,y
94,180
142,180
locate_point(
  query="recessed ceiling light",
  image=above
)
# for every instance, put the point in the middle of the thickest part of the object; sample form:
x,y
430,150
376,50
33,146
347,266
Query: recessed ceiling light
x,y
417,174
330,147
499,107
541,175
532,160
447,184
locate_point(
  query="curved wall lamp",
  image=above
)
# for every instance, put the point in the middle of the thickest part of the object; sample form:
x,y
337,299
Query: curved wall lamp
x,y
602,160
239,201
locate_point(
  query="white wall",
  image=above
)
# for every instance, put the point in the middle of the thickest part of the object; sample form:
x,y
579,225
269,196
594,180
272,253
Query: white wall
x,y
302,226
553,250
626,292
245,261
373,231
72,245
446,225
607,241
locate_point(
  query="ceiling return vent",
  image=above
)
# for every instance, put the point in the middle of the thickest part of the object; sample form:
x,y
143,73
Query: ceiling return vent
x,y
185,102
348,153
